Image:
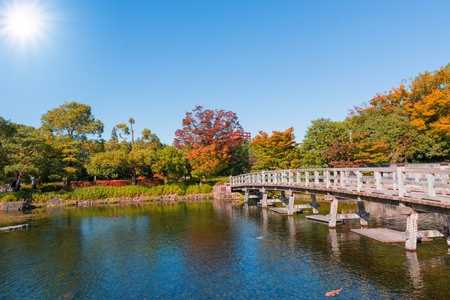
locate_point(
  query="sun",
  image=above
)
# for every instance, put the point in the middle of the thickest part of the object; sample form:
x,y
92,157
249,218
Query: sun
x,y
23,21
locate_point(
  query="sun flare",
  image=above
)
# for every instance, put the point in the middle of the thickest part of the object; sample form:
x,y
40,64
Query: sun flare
x,y
24,22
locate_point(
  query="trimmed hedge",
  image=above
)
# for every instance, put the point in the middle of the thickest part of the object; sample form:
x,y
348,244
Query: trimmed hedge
x,y
116,183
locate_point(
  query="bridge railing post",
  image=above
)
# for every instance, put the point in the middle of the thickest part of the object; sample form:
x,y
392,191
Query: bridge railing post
x,y
306,178
359,181
316,177
394,179
444,179
263,177
431,188
401,181
327,178
341,173
377,176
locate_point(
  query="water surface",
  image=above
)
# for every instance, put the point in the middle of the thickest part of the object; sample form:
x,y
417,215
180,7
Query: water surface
x,y
215,250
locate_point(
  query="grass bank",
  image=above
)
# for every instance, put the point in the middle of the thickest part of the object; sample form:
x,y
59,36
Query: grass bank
x,y
105,192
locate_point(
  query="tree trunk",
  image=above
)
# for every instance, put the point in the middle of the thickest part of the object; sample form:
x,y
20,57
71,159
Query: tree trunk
x,y
133,178
17,186
68,182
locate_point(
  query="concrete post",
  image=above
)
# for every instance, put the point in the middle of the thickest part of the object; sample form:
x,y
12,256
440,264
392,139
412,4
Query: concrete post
x,y
412,231
314,204
400,182
333,213
447,228
291,203
264,198
245,196
377,176
327,178
431,188
359,181
362,213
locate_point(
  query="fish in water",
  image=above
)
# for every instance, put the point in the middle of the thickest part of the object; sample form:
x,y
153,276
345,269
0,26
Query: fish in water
x,y
333,293
259,237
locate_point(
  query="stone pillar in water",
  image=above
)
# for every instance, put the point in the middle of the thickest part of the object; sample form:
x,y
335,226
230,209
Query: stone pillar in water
x,y
333,213
314,204
264,198
447,228
291,203
412,231
362,213
245,196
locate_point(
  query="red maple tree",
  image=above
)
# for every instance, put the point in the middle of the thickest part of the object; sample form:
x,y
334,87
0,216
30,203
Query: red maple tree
x,y
208,138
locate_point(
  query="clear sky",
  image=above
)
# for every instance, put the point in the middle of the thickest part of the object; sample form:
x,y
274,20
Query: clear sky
x,y
277,64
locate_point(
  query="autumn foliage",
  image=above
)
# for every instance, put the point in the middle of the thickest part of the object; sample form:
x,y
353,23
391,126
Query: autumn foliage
x,y
208,138
410,123
426,100
277,151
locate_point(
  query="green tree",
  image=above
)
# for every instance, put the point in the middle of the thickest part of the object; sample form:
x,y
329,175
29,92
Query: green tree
x,y
125,156
319,137
242,160
6,130
73,120
170,162
404,142
22,149
66,130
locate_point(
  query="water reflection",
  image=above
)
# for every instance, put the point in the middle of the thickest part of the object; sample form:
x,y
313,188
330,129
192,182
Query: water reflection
x,y
212,250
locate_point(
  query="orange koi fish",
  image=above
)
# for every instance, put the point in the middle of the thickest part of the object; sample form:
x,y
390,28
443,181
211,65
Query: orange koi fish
x,y
333,293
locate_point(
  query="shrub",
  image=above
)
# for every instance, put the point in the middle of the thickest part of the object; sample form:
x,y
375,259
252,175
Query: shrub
x,y
193,189
206,188
49,187
8,197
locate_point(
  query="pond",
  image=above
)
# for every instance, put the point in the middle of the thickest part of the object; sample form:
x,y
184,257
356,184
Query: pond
x,y
214,250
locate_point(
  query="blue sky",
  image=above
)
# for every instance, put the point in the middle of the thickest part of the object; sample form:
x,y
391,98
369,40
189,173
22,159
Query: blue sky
x,y
277,64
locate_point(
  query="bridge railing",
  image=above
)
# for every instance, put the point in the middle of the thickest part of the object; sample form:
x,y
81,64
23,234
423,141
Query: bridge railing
x,y
397,181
